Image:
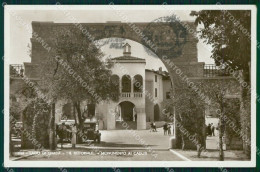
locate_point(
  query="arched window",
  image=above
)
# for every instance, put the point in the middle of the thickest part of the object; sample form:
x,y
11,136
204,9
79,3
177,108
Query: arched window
x,y
115,80
126,83
138,83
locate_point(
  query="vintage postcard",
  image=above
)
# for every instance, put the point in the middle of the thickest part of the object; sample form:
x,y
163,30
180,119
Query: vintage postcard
x,y
130,86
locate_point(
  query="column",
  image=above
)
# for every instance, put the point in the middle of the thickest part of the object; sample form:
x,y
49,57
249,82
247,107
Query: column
x,y
111,120
141,119
132,88
120,85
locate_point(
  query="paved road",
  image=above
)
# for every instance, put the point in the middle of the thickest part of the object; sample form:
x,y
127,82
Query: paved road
x,y
135,139
119,145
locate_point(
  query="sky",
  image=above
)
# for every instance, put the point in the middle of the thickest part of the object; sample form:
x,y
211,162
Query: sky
x,y
20,36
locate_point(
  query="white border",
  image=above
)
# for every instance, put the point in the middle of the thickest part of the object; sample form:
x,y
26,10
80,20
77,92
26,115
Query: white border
x,y
8,163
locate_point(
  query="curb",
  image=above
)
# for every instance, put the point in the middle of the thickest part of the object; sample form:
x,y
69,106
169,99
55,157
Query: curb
x,y
179,155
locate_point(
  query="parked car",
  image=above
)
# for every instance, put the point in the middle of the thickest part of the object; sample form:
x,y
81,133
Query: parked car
x,y
91,132
68,124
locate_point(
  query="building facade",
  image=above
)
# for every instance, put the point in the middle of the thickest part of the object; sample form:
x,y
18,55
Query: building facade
x,y
141,93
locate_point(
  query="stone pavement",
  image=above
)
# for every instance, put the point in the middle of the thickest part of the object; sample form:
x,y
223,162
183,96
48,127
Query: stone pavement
x,y
119,145
127,139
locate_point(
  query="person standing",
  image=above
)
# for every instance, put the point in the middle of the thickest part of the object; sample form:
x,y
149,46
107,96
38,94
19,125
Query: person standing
x,y
212,129
73,136
63,132
169,129
209,130
165,127
154,125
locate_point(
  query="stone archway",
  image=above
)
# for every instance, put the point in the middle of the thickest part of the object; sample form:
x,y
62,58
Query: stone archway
x,y
166,37
127,110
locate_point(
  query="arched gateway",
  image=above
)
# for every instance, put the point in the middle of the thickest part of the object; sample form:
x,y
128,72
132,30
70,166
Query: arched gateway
x,y
170,41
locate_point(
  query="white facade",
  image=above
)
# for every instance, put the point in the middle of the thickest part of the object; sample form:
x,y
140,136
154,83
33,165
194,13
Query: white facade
x,y
142,100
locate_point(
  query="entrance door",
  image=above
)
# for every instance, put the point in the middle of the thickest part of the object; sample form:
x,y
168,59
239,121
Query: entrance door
x,y
127,109
156,112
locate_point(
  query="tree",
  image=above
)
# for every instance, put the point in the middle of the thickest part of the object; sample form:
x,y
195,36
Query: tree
x,y
75,71
229,33
190,116
231,109
216,90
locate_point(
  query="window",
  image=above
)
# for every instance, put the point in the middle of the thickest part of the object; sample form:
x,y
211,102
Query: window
x,y
138,83
155,78
168,95
126,83
155,92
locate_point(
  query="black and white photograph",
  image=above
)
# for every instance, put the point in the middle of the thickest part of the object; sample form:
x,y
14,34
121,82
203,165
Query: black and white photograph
x,y
130,85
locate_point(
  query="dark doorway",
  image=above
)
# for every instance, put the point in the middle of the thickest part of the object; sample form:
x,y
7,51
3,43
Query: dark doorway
x,y
127,110
156,112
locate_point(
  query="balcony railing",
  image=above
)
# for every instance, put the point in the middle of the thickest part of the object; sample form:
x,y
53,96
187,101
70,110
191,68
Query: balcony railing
x,y
211,70
16,70
138,95
129,95
126,94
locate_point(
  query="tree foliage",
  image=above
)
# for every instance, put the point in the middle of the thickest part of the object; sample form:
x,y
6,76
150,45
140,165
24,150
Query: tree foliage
x,y
228,31
190,115
75,71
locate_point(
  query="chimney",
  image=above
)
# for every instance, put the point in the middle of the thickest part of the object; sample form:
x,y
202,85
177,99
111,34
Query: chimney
x,y
127,50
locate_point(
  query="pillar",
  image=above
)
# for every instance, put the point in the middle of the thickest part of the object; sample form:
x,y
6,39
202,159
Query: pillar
x,y
141,119
111,120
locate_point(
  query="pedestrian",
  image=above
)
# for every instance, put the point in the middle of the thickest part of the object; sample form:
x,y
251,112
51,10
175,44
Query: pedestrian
x,y
169,129
154,125
165,128
63,132
212,129
151,126
135,117
73,136
209,130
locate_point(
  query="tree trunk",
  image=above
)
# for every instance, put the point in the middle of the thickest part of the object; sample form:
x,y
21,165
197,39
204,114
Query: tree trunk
x,y
80,120
245,112
78,115
11,149
52,138
221,152
183,142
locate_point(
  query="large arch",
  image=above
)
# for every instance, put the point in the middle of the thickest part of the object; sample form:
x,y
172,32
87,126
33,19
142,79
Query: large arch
x,y
166,37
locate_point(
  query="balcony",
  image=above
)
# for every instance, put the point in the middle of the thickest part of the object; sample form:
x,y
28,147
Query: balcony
x,y
211,70
126,94
131,95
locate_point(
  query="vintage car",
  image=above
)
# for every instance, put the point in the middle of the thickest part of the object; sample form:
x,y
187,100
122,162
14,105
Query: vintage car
x,y
68,124
90,131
